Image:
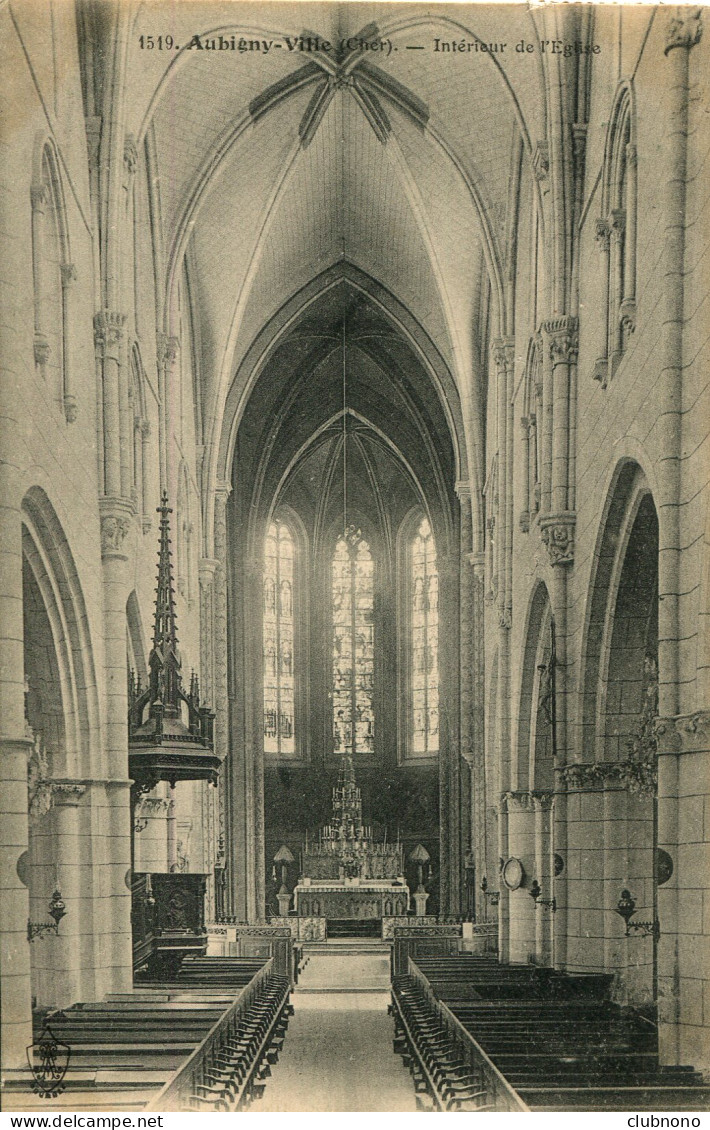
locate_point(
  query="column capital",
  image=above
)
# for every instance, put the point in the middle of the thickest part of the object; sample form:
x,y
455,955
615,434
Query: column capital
x,y
116,514
557,534
684,733
67,793
109,332
684,29
38,196
602,233
222,490
563,335
542,800
462,488
516,801
69,275
477,561
206,569
503,353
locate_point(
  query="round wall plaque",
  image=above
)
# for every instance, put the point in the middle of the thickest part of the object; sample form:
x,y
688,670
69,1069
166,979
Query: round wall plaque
x,y
664,866
513,873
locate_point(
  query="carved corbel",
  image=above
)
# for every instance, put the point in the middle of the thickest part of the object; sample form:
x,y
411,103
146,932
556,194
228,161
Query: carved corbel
x,y
541,161
130,160
42,350
600,371
557,534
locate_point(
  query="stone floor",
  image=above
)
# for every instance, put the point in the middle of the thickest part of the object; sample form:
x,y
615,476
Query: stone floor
x,y
338,1055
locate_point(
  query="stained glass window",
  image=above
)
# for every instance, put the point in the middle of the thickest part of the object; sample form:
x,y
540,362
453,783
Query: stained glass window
x,y
279,693
425,642
353,645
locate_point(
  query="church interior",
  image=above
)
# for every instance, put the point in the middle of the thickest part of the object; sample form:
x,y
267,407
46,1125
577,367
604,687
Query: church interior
x,y
355,556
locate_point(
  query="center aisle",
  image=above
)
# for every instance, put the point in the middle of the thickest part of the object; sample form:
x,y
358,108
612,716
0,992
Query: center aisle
x,y
338,1054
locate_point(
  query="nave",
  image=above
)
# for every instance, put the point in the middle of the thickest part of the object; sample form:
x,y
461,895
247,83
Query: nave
x,y
359,1025
416,417
338,1055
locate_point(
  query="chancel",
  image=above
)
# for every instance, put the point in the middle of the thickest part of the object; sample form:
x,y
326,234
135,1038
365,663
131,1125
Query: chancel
x,y
381,330
346,875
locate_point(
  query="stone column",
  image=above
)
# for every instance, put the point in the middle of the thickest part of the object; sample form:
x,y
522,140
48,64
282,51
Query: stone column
x,y
684,948
601,365
171,409
466,673
524,518
38,196
450,869
479,784
226,802
69,399
211,797
521,907
254,751
116,513
15,746
557,527
544,873
109,336
69,862
683,32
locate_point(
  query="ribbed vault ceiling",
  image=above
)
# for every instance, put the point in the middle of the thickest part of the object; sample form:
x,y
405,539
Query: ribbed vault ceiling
x,y
273,167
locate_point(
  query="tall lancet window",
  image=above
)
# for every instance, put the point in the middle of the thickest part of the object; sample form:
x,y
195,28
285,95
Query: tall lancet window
x,y
425,642
279,692
353,645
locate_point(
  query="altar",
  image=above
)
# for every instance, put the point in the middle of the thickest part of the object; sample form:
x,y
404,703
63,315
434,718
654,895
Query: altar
x,y
347,875
351,898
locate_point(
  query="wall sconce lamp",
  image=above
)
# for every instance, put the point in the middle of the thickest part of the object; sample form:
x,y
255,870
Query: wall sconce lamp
x,y
625,909
149,897
536,891
57,909
140,824
494,896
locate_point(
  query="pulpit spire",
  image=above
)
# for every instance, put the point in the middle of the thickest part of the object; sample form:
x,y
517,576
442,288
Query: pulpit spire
x,y
162,746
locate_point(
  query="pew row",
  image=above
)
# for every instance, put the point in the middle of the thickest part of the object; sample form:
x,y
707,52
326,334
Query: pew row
x,y
557,1039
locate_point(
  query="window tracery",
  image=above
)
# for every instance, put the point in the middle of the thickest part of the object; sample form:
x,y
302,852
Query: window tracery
x,y
424,624
278,645
353,644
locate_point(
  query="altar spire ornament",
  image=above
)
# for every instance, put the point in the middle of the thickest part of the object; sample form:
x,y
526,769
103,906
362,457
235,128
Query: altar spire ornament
x,y
161,745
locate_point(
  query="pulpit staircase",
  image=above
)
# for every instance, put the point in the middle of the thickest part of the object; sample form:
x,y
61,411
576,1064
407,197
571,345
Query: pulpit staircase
x,y
482,1036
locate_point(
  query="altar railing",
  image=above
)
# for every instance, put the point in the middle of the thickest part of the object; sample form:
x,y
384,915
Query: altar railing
x,y
228,938
436,940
